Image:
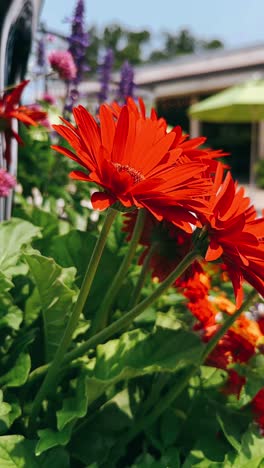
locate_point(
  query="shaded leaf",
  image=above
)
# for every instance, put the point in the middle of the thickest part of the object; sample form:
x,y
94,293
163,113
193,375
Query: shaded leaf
x,y
170,426
170,459
75,249
230,429
55,458
93,442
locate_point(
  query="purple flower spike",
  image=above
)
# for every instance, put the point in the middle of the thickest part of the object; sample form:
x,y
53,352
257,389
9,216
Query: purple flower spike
x,y
41,54
126,85
79,41
105,70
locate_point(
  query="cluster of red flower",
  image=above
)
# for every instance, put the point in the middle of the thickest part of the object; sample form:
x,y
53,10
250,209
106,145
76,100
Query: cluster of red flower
x,y
188,195
238,345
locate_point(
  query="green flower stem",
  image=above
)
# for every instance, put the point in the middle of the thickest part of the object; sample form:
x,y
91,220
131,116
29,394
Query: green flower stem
x,y
128,318
164,403
102,315
54,368
142,276
124,321
228,323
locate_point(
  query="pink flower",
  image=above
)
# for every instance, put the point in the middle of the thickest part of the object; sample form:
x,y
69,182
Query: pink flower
x,y
7,182
62,62
49,98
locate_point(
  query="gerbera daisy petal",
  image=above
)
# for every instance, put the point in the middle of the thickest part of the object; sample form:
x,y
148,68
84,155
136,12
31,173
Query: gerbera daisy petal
x,y
101,201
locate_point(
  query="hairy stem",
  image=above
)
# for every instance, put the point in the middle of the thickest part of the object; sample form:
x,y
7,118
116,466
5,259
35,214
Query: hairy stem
x,y
142,277
102,315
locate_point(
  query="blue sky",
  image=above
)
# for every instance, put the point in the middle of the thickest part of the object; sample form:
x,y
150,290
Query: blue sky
x,y
236,22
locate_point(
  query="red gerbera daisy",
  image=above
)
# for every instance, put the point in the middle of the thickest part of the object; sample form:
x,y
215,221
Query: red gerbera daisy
x,y
10,109
238,344
131,159
236,235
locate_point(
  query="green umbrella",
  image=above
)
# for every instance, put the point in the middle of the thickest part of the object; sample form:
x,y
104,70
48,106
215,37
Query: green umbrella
x,y
241,103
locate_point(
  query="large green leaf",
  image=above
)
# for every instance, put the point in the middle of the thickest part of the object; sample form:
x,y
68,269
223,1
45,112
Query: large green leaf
x,y
73,408
17,375
57,294
138,353
17,452
13,235
10,315
9,412
75,249
48,438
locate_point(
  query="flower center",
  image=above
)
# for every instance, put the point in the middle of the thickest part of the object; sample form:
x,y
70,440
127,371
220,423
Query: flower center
x,y
136,175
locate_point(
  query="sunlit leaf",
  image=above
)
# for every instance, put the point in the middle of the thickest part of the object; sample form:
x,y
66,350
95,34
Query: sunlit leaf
x,y
13,235
74,407
56,297
18,374
17,452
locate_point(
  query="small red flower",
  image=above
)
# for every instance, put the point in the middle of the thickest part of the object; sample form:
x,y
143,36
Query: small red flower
x,y
131,159
258,409
240,342
10,109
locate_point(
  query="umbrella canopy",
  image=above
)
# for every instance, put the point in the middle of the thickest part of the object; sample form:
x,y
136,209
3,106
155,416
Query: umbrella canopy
x,y
240,103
